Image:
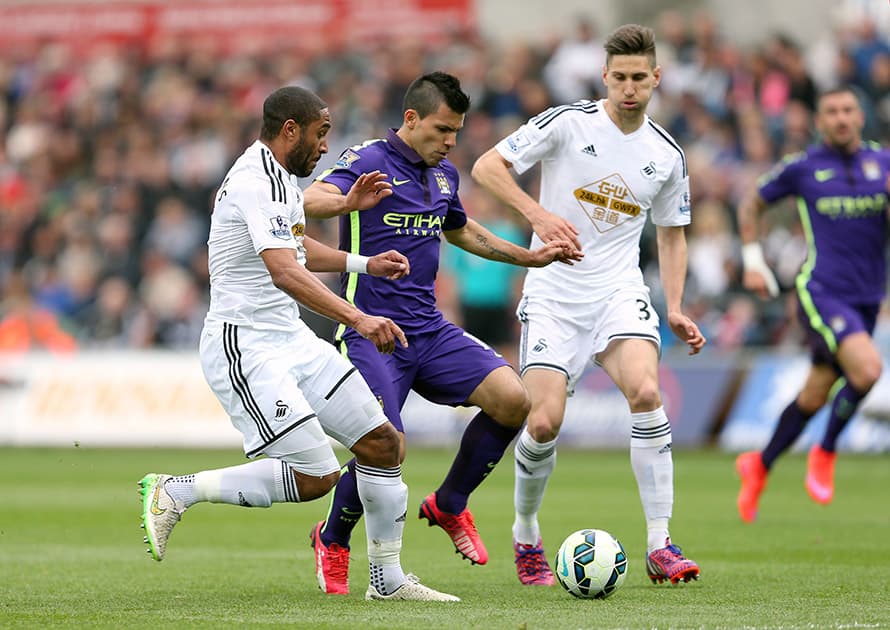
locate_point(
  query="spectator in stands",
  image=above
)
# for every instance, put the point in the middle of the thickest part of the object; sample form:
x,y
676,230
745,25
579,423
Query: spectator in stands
x,y
574,69
24,326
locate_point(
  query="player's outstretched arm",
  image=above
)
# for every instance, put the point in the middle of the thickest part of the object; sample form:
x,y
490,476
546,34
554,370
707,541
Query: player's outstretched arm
x,y
304,287
322,201
389,264
492,172
672,262
555,251
479,240
321,257
757,277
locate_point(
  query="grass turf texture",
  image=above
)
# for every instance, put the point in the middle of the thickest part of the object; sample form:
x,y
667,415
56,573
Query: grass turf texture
x,y
71,551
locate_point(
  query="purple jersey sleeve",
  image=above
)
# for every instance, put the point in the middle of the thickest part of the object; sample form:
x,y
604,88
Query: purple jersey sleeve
x,y
781,181
342,174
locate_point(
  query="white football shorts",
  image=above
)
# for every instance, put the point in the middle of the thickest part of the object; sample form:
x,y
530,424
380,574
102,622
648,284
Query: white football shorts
x,y
565,336
285,390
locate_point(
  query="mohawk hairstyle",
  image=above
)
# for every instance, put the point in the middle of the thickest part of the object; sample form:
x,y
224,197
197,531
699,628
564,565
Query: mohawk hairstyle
x,y
427,92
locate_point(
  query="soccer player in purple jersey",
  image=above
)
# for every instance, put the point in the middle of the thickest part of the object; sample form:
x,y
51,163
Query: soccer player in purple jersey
x,y
841,186
418,205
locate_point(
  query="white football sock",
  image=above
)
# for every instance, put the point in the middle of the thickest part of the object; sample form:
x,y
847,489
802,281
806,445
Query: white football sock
x,y
653,466
255,484
385,500
533,464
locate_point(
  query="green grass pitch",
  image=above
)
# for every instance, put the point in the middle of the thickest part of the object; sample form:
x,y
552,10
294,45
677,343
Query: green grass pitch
x,y
71,551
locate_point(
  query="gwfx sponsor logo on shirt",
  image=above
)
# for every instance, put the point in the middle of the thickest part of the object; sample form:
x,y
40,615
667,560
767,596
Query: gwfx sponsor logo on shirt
x,y
607,202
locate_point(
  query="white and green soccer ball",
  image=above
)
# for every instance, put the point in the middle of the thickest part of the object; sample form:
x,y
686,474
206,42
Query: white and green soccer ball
x,y
591,564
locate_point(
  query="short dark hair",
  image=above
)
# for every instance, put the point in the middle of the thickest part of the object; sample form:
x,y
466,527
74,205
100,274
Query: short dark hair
x,y
631,39
837,89
290,103
427,92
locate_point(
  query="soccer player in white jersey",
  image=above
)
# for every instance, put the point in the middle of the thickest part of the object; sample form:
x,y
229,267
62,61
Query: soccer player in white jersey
x,y
282,386
606,166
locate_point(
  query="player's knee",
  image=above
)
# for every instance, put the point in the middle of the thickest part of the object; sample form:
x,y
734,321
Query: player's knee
x,y
512,406
314,487
518,410
646,397
542,427
865,376
503,396
810,402
380,447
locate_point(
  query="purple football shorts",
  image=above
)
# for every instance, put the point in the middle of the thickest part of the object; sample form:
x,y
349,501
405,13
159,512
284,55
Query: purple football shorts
x,y
444,366
827,321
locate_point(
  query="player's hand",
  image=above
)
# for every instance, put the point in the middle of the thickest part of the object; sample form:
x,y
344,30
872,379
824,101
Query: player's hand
x,y
763,284
368,190
758,277
382,332
390,264
550,227
558,250
687,331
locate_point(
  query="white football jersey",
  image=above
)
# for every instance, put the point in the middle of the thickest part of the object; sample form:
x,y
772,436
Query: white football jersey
x,y
605,183
259,206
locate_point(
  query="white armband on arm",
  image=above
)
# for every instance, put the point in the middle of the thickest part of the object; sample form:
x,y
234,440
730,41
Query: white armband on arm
x,y
356,263
753,260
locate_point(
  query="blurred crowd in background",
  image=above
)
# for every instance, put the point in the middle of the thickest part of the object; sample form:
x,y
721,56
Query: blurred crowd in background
x,y
110,157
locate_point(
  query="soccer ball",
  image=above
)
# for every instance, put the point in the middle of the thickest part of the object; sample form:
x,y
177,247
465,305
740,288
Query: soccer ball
x,y
591,564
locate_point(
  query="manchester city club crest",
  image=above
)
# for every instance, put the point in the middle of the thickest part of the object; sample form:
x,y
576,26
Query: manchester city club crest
x,y
871,169
838,324
442,182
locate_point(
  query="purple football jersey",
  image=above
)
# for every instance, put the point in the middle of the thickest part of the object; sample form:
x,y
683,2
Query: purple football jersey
x,y
411,220
843,203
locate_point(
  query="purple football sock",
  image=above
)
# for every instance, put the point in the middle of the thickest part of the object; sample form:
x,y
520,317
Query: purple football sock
x,y
842,407
791,425
481,448
346,509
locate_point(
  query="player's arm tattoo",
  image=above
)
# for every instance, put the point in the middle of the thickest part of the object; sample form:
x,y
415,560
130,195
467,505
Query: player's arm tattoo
x,y
488,250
